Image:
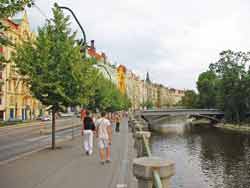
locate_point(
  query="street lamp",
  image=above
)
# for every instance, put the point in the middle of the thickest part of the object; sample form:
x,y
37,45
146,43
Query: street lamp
x,y
84,42
83,32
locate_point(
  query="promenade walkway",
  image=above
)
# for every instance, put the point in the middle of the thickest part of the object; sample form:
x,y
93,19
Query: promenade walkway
x,y
68,166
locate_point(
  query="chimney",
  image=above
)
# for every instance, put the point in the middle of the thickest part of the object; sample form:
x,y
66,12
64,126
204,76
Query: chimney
x,y
92,44
104,57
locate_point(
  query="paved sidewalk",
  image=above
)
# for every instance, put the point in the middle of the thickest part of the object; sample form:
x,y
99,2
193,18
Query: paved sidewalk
x,y
68,166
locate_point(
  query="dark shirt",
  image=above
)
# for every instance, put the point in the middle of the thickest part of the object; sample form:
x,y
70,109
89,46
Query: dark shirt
x,y
88,123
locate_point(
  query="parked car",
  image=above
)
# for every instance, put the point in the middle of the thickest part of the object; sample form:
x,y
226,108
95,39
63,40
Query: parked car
x,y
66,115
44,118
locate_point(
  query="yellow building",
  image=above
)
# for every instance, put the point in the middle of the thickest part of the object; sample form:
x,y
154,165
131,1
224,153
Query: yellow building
x,y
121,72
16,101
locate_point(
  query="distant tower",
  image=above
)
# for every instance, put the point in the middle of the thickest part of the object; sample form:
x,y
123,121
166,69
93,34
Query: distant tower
x,y
147,78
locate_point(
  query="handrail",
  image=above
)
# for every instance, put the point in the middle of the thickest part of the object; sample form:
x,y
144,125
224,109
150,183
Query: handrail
x,y
156,176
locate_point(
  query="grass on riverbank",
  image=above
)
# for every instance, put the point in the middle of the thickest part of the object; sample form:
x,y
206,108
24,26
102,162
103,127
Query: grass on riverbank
x,y
201,122
244,128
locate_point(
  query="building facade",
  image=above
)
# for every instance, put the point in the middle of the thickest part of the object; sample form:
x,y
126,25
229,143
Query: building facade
x,y
138,90
16,101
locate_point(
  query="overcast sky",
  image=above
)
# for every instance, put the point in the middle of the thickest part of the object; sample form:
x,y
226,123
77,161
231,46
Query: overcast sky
x,y
173,40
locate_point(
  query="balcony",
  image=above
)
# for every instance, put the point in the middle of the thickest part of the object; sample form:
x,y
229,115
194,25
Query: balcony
x,y
2,66
1,82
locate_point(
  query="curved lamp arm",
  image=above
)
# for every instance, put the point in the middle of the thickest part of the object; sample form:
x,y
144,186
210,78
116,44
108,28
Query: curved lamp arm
x,y
83,32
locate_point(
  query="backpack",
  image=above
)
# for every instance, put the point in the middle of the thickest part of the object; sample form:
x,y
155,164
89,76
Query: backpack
x,y
89,123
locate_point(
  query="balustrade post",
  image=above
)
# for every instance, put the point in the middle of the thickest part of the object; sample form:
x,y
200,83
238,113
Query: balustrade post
x,y
139,145
144,167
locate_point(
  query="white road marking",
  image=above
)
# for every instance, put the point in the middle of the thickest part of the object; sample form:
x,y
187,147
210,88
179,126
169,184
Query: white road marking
x,y
121,185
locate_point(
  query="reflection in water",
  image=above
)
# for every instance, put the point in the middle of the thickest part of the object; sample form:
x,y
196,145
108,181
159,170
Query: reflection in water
x,y
204,156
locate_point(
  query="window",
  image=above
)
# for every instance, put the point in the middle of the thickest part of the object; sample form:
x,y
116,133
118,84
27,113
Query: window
x,y
0,100
11,100
10,86
15,86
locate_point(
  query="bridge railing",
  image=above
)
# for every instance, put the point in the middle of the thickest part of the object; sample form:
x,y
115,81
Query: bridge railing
x,y
180,110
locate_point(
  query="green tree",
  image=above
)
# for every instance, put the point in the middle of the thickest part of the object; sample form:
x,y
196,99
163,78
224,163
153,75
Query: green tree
x,y
148,104
53,67
11,7
207,86
189,100
107,97
233,96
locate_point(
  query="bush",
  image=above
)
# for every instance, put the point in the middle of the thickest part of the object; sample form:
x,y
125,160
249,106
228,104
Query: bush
x,y
10,122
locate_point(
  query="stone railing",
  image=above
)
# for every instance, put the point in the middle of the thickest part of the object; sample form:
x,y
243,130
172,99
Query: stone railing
x,y
148,170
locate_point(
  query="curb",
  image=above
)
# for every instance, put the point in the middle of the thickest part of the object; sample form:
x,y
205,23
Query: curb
x,y
20,125
29,124
7,161
62,129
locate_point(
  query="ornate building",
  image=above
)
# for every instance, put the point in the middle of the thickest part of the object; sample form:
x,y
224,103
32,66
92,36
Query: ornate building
x,y
139,91
16,101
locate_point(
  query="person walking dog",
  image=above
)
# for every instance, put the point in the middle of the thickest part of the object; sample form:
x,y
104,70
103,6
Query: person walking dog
x,y
88,129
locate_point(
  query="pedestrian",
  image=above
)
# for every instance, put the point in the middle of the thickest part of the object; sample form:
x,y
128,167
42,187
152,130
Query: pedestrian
x,y
83,114
88,129
112,120
117,123
104,137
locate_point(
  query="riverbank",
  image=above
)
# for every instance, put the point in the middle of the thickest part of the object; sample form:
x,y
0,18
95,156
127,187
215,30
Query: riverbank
x,y
201,122
244,128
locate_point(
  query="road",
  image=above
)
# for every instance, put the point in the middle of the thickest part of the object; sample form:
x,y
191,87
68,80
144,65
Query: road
x,y
15,140
69,166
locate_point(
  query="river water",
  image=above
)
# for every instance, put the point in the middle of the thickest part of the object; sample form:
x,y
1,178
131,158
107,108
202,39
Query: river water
x,y
204,156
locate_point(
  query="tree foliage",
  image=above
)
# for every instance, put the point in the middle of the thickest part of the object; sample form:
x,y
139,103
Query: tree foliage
x,y
11,7
207,87
227,85
148,104
233,74
107,97
53,67
189,100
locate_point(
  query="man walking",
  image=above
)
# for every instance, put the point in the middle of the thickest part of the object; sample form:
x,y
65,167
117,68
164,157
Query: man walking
x,y
87,133
104,135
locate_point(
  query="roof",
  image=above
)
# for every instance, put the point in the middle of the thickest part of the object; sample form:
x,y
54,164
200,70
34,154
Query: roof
x,y
94,54
17,21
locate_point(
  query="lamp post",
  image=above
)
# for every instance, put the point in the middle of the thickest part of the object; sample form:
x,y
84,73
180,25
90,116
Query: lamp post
x,y
84,43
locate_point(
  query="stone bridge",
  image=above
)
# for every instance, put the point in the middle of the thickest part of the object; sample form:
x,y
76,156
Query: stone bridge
x,y
213,114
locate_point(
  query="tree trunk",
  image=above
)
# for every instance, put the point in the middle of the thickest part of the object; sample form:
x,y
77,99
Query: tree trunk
x,y
53,129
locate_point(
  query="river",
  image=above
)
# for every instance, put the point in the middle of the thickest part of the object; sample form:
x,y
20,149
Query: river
x,y
204,156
